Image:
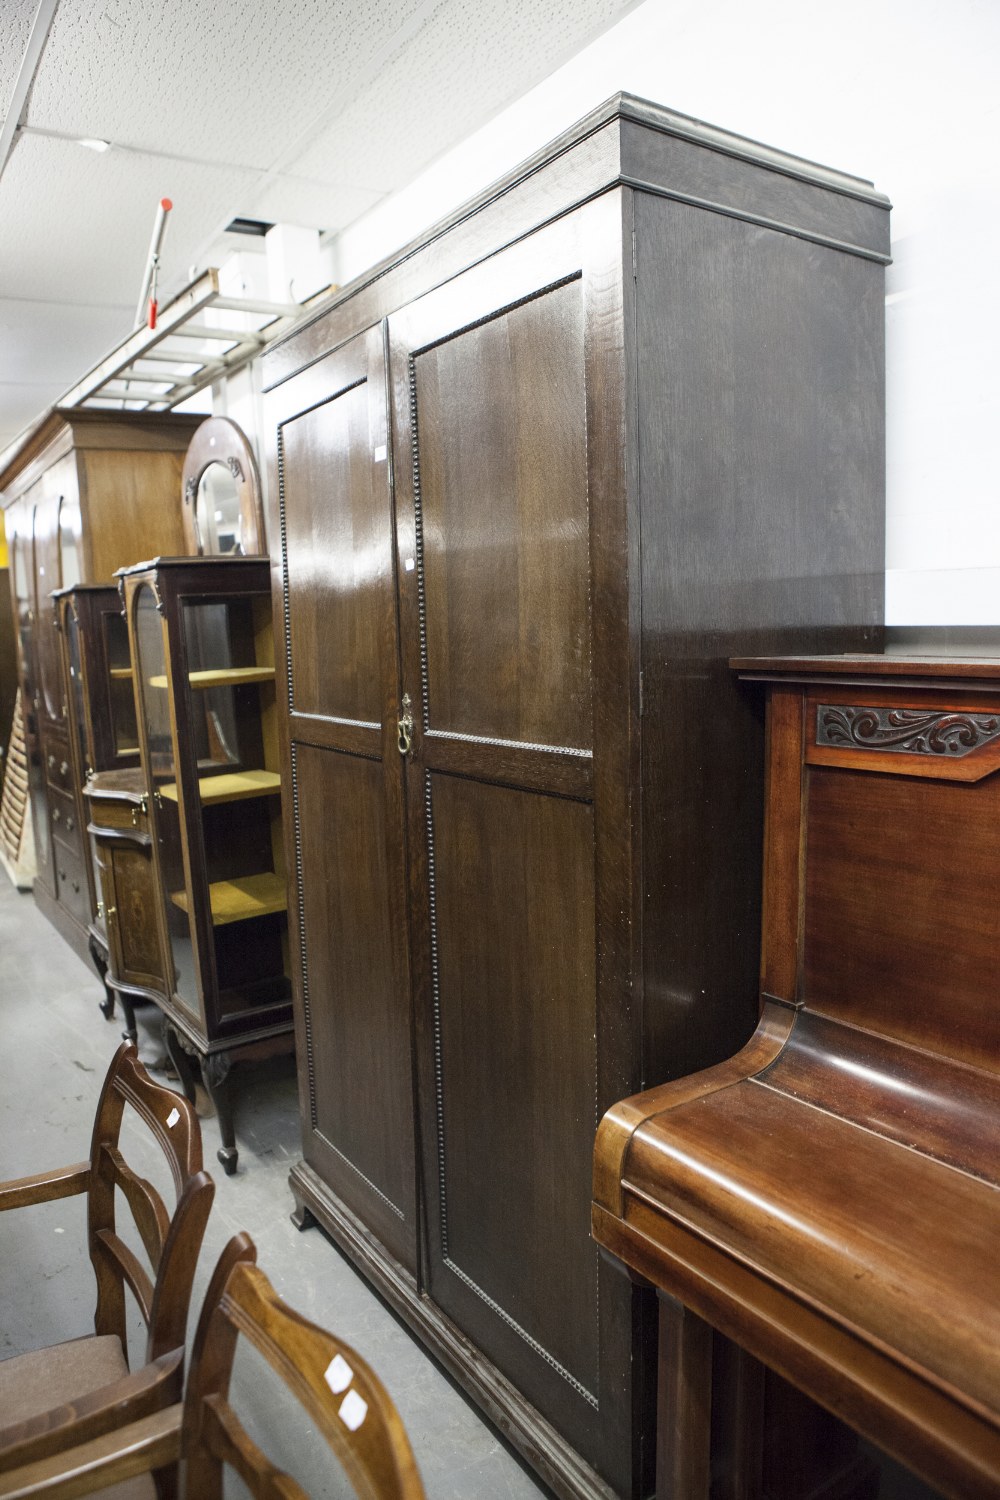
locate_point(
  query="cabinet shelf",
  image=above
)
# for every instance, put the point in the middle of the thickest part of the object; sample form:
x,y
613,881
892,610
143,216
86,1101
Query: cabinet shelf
x,y
238,900
232,786
220,677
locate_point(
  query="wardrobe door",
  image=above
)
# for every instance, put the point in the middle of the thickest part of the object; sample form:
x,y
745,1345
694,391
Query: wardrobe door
x,y
56,516
23,554
506,495
343,785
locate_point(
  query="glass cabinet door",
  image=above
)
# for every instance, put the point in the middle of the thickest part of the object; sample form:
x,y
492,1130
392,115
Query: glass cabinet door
x,y
229,695
124,729
77,704
162,776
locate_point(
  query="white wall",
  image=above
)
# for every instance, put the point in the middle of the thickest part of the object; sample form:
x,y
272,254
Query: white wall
x,y
904,92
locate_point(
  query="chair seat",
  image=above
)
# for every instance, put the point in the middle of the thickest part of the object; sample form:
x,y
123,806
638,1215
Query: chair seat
x,y
42,1379
894,1244
36,1382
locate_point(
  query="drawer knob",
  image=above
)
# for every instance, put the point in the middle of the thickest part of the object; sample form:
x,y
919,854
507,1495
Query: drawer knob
x,y
56,815
64,767
52,759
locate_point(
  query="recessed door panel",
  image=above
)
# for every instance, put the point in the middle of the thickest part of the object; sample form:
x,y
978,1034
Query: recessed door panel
x,y
360,1105
338,555
514,1006
502,503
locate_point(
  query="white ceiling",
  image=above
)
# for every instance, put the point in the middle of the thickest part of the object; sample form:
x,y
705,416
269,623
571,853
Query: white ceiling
x,y
305,112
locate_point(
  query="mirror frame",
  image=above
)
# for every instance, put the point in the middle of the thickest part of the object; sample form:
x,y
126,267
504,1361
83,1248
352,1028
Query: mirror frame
x,y
218,440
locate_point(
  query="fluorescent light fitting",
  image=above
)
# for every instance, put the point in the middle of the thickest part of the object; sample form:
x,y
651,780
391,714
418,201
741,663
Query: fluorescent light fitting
x,y
93,145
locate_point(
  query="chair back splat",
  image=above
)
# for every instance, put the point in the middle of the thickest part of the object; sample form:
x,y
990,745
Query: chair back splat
x,y
171,1242
82,1391
344,1398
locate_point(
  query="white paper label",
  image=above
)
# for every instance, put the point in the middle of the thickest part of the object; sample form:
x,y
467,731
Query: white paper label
x,y
338,1374
409,564
353,1410
172,1118
380,454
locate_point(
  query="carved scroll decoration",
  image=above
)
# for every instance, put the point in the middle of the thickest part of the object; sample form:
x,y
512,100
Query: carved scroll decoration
x,y
907,731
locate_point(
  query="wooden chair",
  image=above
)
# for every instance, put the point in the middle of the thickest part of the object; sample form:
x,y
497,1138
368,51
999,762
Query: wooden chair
x,y
829,1199
77,1391
343,1397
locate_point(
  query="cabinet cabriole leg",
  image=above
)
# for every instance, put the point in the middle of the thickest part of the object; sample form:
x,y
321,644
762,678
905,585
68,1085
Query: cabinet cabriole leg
x,y
215,1070
181,1061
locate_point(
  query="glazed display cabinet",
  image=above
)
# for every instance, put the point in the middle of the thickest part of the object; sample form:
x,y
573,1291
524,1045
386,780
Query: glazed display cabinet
x,y
202,653
103,739
535,480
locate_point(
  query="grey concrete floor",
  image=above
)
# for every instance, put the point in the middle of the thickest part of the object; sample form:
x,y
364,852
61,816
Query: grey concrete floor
x,y
55,1047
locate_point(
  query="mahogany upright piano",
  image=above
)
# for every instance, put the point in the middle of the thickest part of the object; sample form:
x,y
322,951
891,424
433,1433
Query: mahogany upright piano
x,y
828,1198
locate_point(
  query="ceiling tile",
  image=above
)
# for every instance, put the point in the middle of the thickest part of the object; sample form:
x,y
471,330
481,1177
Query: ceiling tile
x,y
314,205
227,82
15,28
21,404
53,343
467,62
75,226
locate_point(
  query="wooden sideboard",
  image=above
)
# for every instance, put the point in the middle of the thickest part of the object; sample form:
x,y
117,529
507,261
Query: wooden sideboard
x,y
829,1198
531,483
89,492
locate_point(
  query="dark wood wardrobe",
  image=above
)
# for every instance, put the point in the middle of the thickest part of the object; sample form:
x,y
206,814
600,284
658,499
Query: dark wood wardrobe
x,y
531,483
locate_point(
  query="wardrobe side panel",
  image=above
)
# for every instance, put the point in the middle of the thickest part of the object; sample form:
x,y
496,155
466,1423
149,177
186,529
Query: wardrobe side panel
x,y
132,509
761,431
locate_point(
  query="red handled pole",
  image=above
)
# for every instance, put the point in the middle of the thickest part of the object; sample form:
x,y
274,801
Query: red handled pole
x,y
146,309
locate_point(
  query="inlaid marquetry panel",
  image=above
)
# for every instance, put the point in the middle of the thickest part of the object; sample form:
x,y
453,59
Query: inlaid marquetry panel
x,y
337,542
135,914
513,939
360,1108
504,526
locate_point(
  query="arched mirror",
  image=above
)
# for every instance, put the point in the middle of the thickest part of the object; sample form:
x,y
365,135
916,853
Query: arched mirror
x,y
221,489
